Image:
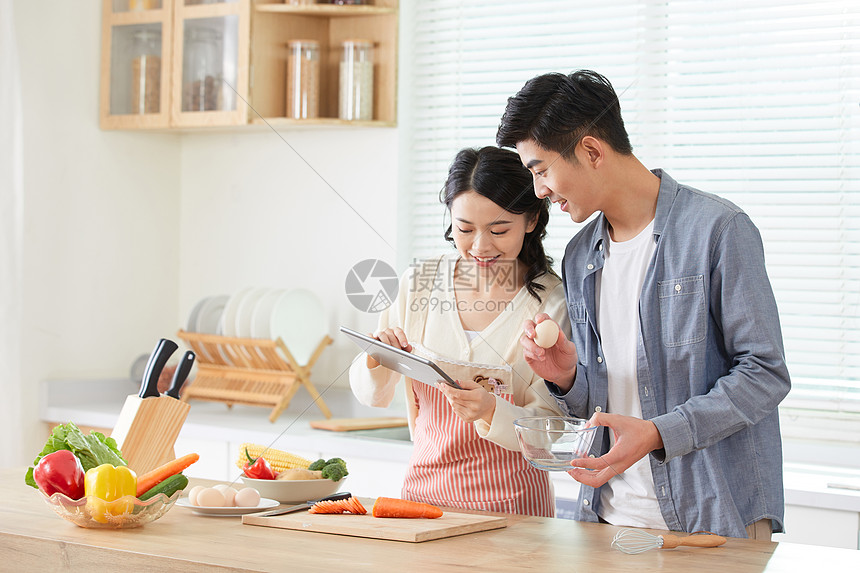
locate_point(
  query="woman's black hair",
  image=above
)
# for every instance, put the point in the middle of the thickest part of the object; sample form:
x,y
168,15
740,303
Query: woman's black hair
x,y
498,175
556,111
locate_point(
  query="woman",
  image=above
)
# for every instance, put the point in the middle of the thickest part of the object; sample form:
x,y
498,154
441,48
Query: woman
x,y
464,311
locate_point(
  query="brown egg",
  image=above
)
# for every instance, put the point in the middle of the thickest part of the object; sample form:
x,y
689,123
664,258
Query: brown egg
x,y
546,334
247,497
228,492
211,497
192,495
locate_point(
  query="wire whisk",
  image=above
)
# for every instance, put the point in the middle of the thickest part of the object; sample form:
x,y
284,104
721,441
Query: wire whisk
x,y
632,541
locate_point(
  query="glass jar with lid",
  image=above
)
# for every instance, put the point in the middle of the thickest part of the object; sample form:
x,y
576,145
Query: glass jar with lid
x,y
202,64
303,79
146,72
355,95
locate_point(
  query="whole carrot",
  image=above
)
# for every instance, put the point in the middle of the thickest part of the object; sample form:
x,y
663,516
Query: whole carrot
x,y
152,478
390,507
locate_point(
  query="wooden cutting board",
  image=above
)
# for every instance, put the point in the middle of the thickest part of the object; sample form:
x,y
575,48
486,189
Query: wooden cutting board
x,y
348,424
394,529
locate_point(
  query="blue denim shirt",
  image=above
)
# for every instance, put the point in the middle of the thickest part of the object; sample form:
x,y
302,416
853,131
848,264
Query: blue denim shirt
x,y
711,363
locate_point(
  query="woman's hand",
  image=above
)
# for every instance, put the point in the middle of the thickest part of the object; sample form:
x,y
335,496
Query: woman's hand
x,y
472,403
392,337
556,363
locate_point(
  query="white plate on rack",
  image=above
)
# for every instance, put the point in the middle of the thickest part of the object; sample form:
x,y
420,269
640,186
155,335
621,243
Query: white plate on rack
x,y
245,312
262,314
299,319
191,326
209,318
231,311
265,503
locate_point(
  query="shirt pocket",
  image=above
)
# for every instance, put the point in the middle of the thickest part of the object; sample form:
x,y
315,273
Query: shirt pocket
x,y
577,312
682,310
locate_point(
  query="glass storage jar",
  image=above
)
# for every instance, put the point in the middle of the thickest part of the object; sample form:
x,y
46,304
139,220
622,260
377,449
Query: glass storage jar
x,y
146,72
355,95
303,79
202,65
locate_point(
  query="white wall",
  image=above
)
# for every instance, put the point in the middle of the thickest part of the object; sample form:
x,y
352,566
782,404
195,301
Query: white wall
x,y
101,229
254,213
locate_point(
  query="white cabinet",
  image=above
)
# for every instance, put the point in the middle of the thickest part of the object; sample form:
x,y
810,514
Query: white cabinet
x,y
820,526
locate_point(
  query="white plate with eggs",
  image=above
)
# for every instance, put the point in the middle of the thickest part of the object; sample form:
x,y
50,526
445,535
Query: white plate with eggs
x,y
265,503
225,500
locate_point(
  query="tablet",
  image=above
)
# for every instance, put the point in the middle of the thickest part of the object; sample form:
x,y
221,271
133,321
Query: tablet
x,y
399,360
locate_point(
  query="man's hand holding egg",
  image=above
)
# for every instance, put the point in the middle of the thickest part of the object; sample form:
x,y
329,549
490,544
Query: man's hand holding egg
x,y
548,352
546,333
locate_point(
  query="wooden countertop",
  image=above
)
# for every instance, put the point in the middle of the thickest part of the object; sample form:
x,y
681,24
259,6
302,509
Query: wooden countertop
x,y
33,537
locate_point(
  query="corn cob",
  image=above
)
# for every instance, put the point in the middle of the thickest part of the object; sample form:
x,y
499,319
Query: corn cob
x,y
278,459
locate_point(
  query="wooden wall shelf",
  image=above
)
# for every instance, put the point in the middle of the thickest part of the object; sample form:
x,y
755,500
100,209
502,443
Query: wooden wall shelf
x,y
255,34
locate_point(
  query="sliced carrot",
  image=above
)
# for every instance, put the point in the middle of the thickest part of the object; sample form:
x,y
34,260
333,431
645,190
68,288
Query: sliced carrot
x,y
348,505
152,478
356,507
326,507
390,507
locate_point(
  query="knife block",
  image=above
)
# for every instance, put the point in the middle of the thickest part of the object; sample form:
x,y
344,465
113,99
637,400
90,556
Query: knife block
x,y
146,430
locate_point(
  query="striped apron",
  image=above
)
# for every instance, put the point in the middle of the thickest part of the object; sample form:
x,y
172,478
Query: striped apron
x,y
451,465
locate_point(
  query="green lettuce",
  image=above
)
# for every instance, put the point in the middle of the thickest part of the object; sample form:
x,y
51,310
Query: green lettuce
x,y
92,450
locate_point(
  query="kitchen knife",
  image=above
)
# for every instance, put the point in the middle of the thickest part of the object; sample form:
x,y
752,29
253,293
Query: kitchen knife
x,y
181,374
301,506
159,357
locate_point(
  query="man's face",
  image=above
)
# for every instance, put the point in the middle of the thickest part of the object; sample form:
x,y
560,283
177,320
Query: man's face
x,y
565,182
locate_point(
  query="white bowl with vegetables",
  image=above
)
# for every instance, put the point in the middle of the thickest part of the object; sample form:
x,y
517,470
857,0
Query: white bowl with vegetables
x,y
289,491
291,478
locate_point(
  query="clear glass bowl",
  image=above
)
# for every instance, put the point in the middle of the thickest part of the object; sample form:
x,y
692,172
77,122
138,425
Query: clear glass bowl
x,y
551,442
123,513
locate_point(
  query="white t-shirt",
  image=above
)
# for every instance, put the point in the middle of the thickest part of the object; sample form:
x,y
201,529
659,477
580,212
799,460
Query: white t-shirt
x,y
627,499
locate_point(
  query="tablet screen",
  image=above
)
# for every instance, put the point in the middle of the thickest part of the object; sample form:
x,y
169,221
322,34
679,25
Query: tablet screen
x,y
415,367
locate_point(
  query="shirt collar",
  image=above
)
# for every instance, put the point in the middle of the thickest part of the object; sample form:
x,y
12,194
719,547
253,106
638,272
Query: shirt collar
x,y
665,198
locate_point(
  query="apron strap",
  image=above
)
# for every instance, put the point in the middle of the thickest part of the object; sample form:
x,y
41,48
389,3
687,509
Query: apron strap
x,y
426,276
415,322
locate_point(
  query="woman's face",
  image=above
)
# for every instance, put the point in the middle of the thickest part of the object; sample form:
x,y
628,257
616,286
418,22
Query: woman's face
x,y
485,233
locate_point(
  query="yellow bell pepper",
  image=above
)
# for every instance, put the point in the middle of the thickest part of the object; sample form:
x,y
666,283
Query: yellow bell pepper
x,y
104,486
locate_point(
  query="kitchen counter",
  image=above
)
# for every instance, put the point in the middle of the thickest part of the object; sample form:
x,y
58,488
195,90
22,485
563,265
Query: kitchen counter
x,y
33,537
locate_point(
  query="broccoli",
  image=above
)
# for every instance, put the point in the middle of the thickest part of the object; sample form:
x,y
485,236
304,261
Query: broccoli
x,y
336,461
334,472
317,465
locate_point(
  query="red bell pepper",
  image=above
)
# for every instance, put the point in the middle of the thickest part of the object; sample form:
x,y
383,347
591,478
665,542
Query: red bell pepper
x,y
60,471
257,469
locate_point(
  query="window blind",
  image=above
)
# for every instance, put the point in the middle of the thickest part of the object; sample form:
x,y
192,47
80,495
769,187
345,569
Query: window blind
x,y
757,101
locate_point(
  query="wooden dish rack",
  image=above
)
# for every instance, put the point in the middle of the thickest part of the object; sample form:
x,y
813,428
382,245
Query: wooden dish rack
x,y
250,371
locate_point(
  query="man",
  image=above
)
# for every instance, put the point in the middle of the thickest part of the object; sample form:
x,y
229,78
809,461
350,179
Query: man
x,y
676,345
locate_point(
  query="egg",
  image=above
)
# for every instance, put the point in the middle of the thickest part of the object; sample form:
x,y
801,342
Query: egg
x,y
192,495
210,497
546,333
228,492
247,497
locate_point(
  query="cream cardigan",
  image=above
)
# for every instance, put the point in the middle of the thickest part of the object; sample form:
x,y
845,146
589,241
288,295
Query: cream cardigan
x,y
498,344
